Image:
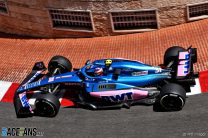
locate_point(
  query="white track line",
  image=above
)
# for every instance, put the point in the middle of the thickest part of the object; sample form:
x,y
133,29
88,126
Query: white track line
x,y
4,86
196,89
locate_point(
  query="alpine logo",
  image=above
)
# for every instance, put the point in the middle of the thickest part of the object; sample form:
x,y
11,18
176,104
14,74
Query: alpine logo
x,y
118,98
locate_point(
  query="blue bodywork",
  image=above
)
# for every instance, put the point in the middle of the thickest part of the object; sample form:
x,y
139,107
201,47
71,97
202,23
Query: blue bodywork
x,y
131,74
109,83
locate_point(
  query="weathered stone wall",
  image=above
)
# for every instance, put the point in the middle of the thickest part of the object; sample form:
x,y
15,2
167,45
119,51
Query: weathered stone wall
x,y
31,17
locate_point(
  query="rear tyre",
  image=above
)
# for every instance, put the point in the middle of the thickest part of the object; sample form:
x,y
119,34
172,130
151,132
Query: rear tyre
x,y
171,54
172,97
59,65
47,105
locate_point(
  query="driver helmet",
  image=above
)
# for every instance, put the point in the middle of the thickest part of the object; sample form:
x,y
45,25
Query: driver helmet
x,y
98,71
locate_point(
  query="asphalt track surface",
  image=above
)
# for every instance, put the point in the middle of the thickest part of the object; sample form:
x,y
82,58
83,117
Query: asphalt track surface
x,y
138,121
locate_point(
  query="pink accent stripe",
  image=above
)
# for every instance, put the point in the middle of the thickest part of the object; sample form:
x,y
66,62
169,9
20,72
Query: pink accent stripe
x,y
182,55
183,62
181,71
109,93
137,94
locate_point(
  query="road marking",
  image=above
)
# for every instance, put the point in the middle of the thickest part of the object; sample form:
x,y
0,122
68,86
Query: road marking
x,y
9,95
196,89
4,86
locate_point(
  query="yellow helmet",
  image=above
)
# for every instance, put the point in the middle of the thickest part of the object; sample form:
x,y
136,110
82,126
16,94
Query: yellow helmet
x,y
108,62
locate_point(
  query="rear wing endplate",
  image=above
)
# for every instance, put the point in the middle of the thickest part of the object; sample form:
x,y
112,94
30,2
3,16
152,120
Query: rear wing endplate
x,y
186,60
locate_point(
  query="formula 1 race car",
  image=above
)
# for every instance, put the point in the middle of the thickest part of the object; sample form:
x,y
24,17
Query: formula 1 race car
x,y
110,83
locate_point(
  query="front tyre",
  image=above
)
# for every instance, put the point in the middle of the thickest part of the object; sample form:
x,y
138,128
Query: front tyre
x,y
172,97
59,65
47,105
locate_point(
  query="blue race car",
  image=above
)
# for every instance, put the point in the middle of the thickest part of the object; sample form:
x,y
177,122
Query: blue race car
x,y
110,83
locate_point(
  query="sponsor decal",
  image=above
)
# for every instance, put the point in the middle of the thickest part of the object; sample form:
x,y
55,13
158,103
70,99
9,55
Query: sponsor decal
x,y
51,79
183,67
20,131
62,77
24,100
118,98
184,55
33,77
34,84
158,70
139,73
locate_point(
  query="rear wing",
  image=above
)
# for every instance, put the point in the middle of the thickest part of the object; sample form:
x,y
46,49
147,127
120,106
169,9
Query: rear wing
x,y
186,60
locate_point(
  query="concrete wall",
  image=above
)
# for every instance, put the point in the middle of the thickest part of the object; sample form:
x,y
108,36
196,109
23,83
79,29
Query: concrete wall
x,y
31,17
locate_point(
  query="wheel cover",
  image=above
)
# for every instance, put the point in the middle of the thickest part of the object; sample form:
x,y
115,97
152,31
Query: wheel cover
x,y
172,102
45,108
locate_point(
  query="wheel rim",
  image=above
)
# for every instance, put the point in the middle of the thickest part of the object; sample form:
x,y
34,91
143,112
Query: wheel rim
x,y
172,102
45,108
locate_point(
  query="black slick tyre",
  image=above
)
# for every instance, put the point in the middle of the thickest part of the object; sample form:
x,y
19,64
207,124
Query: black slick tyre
x,y
58,65
172,97
47,105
